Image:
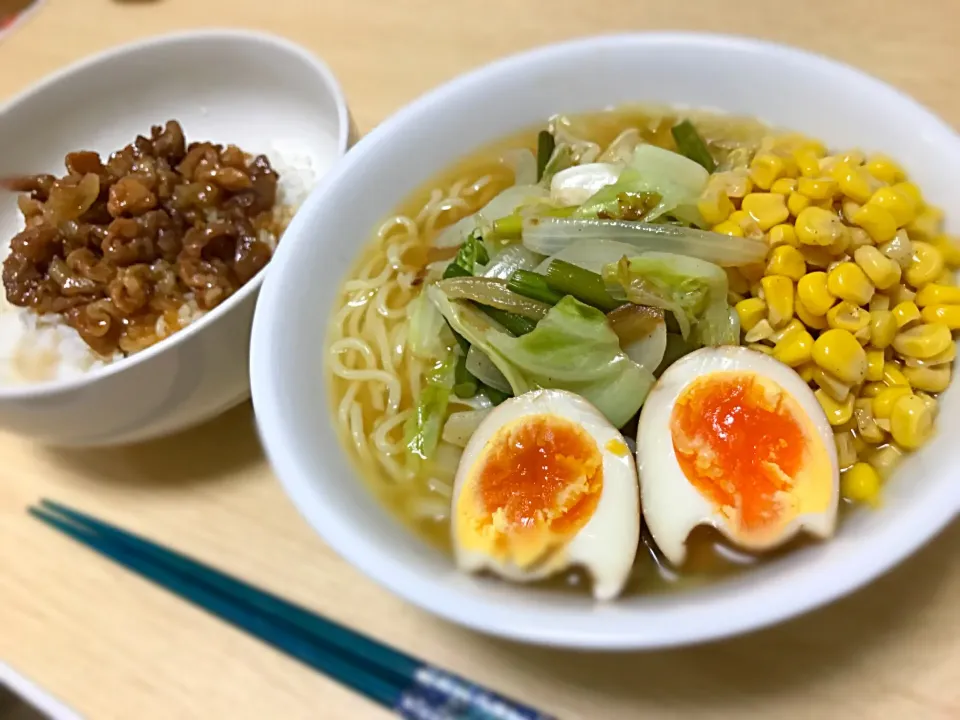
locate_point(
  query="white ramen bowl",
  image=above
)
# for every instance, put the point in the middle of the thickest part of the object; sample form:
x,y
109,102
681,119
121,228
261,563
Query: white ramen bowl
x,y
253,90
827,100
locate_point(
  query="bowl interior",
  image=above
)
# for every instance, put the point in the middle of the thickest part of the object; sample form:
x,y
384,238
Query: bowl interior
x,y
260,93
835,103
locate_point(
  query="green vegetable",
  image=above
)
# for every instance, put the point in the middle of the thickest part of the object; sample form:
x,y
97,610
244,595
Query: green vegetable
x,y
429,335
508,227
421,431
694,291
531,285
691,145
515,324
545,147
562,159
471,253
493,293
678,181
464,384
494,396
572,348
568,279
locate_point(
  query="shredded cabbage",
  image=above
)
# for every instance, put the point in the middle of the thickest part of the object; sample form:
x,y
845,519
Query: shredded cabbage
x,y
693,290
676,180
500,206
573,348
421,431
428,335
577,184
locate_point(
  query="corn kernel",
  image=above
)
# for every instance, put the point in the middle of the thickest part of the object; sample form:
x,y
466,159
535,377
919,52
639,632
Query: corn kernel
x,y
858,238
839,353
837,412
885,459
949,249
895,201
797,203
847,316
784,186
879,302
814,322
867,427
905,313
947,356
883,328
885,169
923,341
881,270
753,272
831,385
766,169
885,400
948,315
816,226
767,209
929,379
871,390
794,326
795,349
816,256
925,266
728,228
751,311
947,277
931,402
861,484
823,188
805,371
756,290
892,375
714,205
807,162
761,331
874,365
783,234
912,191
813,292
760,347
854,181
846,450
786,260
736,282
927,224
848,208
877,221
911,422
848,282
778,293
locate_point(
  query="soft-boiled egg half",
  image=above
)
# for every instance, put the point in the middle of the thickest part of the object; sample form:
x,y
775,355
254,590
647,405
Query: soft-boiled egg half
x,y
546,483
731,438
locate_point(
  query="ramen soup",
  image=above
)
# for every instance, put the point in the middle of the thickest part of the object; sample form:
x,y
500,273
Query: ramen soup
x,y
640,347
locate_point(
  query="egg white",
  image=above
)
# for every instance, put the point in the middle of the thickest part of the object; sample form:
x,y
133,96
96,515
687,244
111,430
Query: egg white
x,y
607,544
672,506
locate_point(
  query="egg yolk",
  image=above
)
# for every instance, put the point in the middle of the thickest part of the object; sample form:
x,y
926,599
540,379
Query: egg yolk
x,y
742,442
534,487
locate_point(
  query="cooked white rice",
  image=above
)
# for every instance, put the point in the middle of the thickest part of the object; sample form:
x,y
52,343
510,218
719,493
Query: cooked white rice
x,y
36,348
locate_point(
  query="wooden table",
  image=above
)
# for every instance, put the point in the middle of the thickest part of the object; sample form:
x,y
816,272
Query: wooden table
x,y
112,646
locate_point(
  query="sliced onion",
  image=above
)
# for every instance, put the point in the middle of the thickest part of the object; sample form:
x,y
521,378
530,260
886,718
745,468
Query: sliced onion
x,y
460,426
483,369
576,184
511,259
642,332
549,236
523,164
492,292
592,255
500,206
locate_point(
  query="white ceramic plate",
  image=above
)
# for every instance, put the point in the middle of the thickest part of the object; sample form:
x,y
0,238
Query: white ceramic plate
x,y
783,86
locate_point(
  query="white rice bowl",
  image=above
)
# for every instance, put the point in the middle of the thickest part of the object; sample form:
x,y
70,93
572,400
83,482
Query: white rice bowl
x,y
43,348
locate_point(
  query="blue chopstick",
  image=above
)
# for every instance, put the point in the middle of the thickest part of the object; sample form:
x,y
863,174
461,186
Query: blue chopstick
x,y
411,688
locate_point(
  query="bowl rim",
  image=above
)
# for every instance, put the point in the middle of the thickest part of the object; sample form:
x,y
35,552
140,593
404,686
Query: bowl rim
x,y
434,593
333,88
